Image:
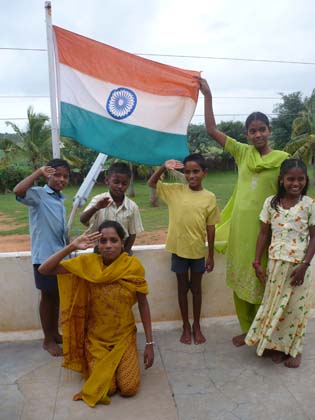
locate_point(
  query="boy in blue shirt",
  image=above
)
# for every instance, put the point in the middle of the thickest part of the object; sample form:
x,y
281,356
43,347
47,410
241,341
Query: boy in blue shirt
x,y
47,218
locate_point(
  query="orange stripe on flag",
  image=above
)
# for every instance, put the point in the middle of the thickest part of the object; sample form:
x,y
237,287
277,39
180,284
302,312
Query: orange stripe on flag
x,y
121,68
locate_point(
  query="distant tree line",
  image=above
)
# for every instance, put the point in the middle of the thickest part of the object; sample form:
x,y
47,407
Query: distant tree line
x,y
23,151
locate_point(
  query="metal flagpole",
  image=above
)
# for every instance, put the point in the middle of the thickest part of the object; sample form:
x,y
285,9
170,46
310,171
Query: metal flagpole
x,y
52,83
86,187
89,181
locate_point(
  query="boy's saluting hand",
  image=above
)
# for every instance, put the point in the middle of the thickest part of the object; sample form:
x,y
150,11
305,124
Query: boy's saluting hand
x,y
47,171
103,203
173,164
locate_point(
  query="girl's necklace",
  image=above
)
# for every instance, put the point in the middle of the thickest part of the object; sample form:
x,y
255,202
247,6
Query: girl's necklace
x,y
287,204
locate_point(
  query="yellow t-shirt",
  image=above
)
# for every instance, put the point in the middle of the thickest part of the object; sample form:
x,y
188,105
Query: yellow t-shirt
x,y
190,212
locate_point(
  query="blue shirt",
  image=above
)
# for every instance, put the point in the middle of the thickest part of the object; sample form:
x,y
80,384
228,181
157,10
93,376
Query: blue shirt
x,y
47,216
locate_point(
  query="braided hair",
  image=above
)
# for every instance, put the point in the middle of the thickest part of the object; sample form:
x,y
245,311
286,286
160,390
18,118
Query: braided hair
x,y
285,167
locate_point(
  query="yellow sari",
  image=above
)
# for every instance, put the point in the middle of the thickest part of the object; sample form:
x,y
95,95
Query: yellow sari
x,y
96,317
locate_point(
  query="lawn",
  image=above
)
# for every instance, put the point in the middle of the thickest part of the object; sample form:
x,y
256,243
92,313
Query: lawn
x,y
15,216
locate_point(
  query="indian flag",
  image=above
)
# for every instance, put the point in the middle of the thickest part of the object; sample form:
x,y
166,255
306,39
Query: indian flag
x,y
121,104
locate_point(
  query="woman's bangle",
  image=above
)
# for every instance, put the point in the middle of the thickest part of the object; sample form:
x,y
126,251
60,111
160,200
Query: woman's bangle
x,y
256,264
149,343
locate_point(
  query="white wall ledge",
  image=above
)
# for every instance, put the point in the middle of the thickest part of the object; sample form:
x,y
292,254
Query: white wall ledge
x,y
19,298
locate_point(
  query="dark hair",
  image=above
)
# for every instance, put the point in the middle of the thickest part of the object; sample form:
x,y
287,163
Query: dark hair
x,y
284,169
119,168
115,225
257,116
57,163
198,158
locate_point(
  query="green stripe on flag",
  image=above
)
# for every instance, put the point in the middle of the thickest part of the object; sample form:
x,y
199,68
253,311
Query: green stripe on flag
x,y
124,141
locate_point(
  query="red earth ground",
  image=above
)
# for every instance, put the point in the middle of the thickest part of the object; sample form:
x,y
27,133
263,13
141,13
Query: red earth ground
x,y
13,243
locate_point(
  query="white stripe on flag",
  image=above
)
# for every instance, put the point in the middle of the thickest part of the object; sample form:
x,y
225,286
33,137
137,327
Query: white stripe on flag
x,y
169,114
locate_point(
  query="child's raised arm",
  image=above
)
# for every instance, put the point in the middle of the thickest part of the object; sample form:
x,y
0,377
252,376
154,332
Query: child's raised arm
x,y
21,188
171,164
211,126
100,204
263,238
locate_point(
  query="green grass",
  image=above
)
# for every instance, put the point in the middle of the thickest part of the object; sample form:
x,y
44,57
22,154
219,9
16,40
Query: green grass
x,y
153,218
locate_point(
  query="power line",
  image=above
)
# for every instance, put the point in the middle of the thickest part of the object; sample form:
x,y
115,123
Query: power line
x,y
257,60
22,49
23,96
196,115
201,97
199,57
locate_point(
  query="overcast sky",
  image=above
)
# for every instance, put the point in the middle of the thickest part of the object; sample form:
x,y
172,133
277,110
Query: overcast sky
x,y
270,30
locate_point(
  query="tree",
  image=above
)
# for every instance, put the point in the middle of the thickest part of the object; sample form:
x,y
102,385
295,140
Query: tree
x,y
287,111
198,139
35,142
234,129
79,157
302,144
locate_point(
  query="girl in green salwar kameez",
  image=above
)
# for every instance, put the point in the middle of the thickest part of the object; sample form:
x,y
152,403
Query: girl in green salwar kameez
x,y
258,170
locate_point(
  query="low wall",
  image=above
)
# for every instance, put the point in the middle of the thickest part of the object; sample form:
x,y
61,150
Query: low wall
x,y
19,299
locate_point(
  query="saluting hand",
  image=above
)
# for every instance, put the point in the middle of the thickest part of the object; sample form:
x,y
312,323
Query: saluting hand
x,y
103,202
173,164
47,171
86,241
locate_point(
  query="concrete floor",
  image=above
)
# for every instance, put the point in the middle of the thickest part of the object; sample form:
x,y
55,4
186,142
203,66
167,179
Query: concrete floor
x,y
212,381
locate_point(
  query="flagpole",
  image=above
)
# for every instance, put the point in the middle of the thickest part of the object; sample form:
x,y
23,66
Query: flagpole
x,y
86,187
52,83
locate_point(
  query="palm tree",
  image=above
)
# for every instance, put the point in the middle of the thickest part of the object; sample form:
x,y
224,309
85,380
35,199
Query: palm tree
x,y
8,149
302,143
35,142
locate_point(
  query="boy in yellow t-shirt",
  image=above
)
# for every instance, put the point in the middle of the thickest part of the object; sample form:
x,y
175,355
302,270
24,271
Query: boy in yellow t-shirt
x,y
193,212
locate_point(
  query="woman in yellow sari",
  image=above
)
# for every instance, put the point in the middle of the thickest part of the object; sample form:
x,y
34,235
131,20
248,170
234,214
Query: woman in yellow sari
x,y
97,292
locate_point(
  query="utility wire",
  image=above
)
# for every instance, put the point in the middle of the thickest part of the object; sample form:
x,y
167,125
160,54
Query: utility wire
x,y
201,97
196,115
23,96
258,60
199,57
22,49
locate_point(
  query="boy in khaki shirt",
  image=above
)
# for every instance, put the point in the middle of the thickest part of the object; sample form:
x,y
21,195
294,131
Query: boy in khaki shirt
x,y
115,205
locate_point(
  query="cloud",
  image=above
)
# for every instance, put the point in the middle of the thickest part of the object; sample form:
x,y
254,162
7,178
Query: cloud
x,y
282,30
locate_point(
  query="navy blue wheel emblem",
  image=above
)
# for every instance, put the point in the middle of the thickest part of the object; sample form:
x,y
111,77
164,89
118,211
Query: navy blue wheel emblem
x,y
121,103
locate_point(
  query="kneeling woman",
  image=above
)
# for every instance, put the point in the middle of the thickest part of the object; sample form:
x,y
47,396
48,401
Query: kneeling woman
x,y
97,292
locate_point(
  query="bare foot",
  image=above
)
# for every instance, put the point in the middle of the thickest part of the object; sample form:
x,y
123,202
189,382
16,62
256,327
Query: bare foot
x,y
293,362
278,356
239,340
77,397
52,348
267,353
58,338
186,336
199,338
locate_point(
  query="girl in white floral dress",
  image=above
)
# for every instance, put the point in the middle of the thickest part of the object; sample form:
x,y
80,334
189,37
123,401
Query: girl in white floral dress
x,y
290,218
